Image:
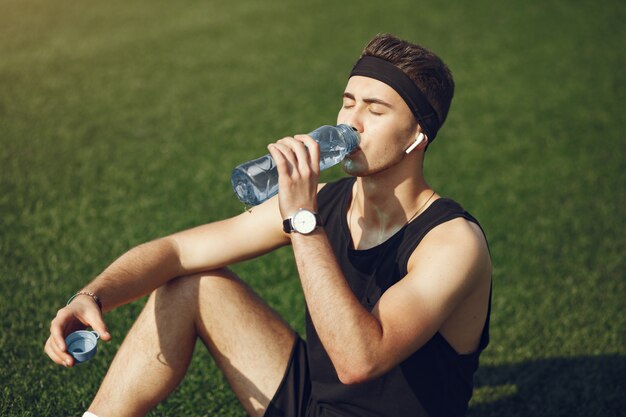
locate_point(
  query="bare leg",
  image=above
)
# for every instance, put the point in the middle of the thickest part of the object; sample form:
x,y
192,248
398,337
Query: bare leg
x,y
251,344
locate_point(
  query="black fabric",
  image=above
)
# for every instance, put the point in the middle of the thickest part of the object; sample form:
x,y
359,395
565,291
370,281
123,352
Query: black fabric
x,y
394,77
435,381
294,393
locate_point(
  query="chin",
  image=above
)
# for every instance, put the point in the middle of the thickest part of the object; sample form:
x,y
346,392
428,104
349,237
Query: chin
x,y
352,167
362,169
355,170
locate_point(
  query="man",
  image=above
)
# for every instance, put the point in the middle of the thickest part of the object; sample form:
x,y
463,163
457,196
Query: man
x,y
397,280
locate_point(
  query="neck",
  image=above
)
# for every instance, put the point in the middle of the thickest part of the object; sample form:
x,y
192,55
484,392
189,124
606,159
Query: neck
x,y
385,202
381,202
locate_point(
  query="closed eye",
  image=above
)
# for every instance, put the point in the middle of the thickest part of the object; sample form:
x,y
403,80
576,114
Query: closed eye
x,y
348,100
377,109
376,106
348,103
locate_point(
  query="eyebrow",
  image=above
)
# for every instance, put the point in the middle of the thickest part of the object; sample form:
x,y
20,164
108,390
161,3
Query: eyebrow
x,y
368,100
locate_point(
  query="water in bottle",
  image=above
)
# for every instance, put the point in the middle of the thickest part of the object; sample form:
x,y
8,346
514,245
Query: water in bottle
x,y
257,180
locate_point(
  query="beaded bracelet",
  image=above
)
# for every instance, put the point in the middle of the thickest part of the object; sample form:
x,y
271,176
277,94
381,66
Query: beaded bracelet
x,y
88,294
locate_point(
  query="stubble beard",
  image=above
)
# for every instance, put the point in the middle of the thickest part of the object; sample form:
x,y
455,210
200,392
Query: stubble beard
x,y
360,168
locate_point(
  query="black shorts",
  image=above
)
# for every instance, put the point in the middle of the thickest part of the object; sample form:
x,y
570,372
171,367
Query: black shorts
x,y
294,392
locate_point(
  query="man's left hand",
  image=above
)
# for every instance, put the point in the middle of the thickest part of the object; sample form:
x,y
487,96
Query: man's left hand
x,y
298,161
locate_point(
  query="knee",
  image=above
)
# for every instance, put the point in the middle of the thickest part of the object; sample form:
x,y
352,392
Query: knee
x,y
186,289
178,287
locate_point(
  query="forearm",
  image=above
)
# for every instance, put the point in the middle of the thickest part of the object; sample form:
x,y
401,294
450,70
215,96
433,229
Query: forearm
x,y
349,333
136,273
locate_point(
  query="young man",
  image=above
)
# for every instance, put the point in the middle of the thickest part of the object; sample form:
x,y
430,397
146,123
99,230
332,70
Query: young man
x,y
396,279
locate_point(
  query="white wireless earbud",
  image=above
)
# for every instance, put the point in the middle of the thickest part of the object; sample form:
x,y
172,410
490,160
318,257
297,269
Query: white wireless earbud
x,y
418,140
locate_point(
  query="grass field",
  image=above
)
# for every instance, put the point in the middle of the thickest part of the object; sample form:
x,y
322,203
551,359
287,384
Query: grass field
x,y
121,121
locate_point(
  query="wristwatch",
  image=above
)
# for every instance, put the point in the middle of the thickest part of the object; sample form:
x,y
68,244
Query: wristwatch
x,y
303,221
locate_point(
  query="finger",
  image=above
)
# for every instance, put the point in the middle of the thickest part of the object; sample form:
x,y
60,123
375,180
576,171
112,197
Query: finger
x,y
303,156
280,161
57,340
57,329
288,147
285,159
57,355
97,323
90,315
52,354
314,151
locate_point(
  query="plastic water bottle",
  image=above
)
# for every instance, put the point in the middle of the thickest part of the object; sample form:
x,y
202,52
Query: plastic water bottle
x,y
257,180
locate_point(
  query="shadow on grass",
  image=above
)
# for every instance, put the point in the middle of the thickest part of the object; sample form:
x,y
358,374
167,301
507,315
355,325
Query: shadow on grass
x,y
584,386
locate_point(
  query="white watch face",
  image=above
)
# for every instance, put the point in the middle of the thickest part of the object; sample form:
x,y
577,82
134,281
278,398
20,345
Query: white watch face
x,y
303,221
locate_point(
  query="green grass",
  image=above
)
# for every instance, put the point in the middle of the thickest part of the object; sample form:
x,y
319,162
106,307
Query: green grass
x,y
120,123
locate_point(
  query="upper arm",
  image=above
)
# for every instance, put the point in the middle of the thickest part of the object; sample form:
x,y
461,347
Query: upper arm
x,y
450,263
245,236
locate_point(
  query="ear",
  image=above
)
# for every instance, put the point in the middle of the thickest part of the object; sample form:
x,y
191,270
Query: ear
x,y
420,138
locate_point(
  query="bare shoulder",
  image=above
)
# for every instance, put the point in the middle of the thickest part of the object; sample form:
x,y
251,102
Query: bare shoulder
x,y
452,265
458,232
459,244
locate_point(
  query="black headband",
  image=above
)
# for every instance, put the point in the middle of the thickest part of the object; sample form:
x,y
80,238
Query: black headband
x,y
394,77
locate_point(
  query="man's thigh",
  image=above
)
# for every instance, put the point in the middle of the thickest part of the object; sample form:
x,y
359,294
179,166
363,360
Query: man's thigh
x,y
249,341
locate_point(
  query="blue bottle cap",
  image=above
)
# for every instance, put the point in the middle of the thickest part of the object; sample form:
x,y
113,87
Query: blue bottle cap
x,y
82,344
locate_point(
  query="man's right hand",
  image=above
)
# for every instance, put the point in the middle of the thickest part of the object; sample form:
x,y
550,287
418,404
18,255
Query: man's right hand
x,y
82,312
150,265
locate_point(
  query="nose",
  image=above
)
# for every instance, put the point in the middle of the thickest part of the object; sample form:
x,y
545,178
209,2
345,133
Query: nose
x,y
352,118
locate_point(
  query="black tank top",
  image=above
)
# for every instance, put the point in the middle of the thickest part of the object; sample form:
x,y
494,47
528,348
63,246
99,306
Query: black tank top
x,y
435,381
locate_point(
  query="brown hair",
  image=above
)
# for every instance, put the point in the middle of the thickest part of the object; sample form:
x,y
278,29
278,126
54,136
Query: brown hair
x,y
422,66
